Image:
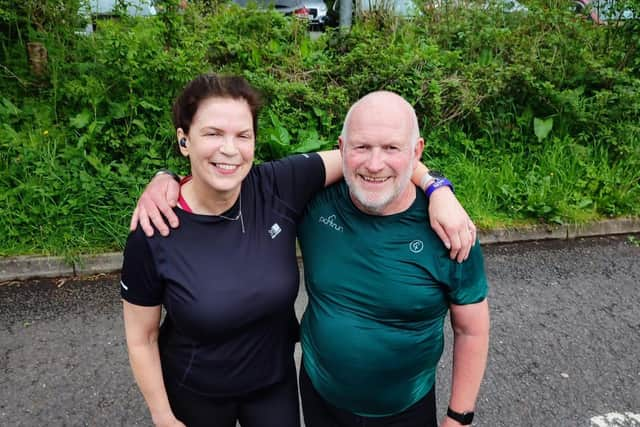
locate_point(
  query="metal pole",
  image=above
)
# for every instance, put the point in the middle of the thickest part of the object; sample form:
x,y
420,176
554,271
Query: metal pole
x,y
346,11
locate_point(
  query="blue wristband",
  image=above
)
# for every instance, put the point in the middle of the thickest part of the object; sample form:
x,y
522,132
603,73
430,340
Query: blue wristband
x,y
440,182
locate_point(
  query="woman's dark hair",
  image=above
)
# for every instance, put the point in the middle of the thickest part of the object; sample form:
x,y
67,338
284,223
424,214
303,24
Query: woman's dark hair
x,y
213,86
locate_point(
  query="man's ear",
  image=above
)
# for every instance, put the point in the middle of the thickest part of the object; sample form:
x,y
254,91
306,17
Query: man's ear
x,y
418,152
340,144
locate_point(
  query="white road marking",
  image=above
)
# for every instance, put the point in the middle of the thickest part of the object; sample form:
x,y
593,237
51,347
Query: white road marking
x,y
616,419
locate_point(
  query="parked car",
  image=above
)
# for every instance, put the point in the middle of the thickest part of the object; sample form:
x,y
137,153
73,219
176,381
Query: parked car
x,y
410,8
507,6
107,7
94,10
603,11
317,13
294,8
402,8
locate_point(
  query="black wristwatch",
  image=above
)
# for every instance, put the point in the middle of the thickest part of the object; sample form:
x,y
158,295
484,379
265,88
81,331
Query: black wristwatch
x,y
464,418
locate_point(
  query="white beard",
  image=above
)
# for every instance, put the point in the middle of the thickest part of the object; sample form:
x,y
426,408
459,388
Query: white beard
x,y
376,202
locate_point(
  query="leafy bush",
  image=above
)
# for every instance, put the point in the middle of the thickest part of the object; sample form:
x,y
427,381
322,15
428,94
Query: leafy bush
x,y
535,116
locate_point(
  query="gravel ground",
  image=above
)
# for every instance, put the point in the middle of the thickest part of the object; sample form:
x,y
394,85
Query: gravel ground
x,y
564,349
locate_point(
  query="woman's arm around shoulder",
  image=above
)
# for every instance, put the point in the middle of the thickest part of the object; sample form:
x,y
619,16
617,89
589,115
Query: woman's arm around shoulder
x,y
332,161
447,217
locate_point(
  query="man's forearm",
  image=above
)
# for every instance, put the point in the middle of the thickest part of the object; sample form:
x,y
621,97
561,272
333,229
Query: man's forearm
x,y
469,362
168,172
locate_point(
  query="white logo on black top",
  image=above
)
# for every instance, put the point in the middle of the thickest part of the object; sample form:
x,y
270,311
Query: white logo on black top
x,y
274,230
416,246
329,221
123,285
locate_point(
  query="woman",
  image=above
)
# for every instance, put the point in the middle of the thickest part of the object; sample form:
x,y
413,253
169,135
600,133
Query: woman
x,y
227,277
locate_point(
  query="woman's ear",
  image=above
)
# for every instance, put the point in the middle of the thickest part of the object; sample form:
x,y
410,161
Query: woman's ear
x,y
183,142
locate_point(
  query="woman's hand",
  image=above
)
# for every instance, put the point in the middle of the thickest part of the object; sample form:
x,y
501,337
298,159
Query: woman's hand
x,y
452,223
167,419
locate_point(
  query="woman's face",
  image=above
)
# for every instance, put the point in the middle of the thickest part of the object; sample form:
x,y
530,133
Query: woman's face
x,y
220,143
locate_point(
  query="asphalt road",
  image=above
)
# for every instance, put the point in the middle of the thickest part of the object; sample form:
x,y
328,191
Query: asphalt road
x,y
565,347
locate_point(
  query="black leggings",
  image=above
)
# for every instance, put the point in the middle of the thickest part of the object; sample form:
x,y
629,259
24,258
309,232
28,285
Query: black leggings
x,y
319,413
273,406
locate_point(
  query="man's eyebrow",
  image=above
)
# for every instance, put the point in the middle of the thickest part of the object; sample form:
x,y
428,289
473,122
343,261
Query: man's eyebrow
x,y
358,141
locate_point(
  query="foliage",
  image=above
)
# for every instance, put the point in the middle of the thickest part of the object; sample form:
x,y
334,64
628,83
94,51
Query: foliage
x,y
535,116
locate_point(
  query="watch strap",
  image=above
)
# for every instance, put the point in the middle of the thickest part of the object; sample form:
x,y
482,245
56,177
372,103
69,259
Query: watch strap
x,y
440,182
431,175
464,418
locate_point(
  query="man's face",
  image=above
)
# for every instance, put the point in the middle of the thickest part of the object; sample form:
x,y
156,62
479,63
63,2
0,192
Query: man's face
x,y
379,156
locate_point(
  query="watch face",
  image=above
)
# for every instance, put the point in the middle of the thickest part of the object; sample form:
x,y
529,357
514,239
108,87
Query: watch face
x,y
467,419
436,174
464,418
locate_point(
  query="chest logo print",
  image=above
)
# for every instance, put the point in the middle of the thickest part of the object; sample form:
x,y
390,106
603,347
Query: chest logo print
x,y
329,221
416,246
274,230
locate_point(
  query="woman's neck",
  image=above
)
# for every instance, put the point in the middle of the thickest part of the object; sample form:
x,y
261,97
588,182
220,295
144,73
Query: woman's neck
x,y
204,200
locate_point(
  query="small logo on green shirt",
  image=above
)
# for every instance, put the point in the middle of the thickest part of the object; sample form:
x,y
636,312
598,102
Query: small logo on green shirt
x,y
329,221
416,246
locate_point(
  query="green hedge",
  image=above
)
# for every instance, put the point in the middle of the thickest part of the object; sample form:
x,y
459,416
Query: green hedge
x,y
535,116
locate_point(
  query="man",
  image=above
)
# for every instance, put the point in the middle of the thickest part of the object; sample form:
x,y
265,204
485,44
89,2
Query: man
x,y
380,284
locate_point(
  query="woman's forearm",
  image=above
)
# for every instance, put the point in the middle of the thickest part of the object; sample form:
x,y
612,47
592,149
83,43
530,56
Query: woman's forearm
x,y
332,160
418,174
145,364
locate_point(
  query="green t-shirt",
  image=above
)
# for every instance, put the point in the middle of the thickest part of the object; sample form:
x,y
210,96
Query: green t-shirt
x,y
379,289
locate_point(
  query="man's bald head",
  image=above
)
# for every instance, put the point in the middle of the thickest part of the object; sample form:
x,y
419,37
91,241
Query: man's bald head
x,y
383,104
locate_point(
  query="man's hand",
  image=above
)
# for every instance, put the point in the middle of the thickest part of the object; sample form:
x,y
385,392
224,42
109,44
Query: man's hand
x,y
452,224
448,422
155,204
